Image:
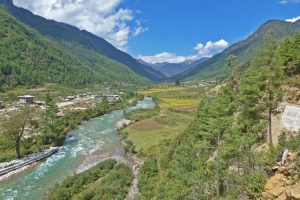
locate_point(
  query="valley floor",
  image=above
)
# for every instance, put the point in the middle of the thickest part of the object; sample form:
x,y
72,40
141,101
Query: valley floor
x,y
175,109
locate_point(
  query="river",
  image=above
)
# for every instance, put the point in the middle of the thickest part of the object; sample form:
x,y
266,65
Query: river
x,y
96,138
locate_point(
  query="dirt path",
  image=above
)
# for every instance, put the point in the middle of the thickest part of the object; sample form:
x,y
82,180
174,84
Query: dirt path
x,y
134,190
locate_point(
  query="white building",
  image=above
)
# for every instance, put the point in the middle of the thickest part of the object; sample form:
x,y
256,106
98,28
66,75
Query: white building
x,y
26,99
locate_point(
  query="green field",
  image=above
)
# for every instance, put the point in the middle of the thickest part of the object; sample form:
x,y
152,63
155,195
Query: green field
x,y
175,109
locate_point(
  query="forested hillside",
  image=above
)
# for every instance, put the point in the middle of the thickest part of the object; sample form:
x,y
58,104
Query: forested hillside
x,y
244,51
28,58
87,44
219,154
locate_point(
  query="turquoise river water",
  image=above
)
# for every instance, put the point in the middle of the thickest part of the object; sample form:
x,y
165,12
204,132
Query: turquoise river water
x,y
96,138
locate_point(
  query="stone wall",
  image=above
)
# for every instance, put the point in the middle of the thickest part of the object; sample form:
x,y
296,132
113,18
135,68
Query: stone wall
x,y
291,117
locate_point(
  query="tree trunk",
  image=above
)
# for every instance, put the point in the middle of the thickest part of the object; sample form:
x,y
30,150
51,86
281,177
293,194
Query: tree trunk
x,y
18,153
270,128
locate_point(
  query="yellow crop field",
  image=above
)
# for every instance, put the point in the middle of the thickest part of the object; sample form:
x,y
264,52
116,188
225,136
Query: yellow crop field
x,y
152,91
174,102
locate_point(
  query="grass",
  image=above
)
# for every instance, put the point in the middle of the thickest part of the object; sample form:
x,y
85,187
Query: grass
x,y
147,134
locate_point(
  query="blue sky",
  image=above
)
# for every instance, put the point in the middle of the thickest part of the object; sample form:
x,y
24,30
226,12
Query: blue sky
x,y
173,30
177,26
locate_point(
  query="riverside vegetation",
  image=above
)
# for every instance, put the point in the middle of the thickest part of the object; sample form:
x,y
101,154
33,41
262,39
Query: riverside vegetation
x,y
47,128
107,180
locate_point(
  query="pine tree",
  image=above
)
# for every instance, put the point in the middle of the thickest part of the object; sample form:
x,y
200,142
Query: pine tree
x,y
50,117
273,75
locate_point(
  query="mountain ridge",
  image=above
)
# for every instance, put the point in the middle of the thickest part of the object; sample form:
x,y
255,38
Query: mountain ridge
x,y
29,58
216,66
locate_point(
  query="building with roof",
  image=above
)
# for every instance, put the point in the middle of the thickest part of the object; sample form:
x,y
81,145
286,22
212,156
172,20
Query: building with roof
x,y
26,99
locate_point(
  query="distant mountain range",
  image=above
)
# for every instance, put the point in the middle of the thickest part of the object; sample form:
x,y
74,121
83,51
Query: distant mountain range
x,y
96,60
244,50
172,69
71,37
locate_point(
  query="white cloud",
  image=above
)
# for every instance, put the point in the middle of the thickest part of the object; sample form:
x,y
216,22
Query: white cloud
x,y
211,48
207,50
292,20
288,1
163,57
139,28
104,18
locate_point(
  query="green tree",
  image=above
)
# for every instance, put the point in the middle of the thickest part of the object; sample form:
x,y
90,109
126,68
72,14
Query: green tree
x,y
105,103
273,76
13,127
233,76
50,118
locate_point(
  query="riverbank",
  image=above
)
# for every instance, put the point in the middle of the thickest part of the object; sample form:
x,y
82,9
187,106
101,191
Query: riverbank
x,y
130,160
88,144
16,166
11,168
37,140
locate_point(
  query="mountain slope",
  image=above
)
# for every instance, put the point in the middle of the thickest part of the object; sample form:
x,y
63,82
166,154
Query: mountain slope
x,y
66,34
244,50
172,69
28,58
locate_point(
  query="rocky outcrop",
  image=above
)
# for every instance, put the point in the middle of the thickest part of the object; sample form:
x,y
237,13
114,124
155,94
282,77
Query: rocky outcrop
x,y
275,185
285,183
293,192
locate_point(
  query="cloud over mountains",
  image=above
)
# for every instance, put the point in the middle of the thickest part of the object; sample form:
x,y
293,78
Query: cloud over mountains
x,y
292,20
104,18
203,50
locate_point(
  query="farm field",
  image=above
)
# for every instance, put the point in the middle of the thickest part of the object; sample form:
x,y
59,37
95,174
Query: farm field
x,y
147,134
175,102
175,109
155,90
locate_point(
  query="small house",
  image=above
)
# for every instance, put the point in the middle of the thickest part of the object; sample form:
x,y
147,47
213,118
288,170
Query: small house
x,y
113,98
26,99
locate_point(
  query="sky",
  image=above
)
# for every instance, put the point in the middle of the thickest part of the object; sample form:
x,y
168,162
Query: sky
x,y
167,30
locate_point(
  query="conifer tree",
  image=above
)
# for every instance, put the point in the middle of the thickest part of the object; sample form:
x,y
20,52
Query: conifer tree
x,y
272,73
50,117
